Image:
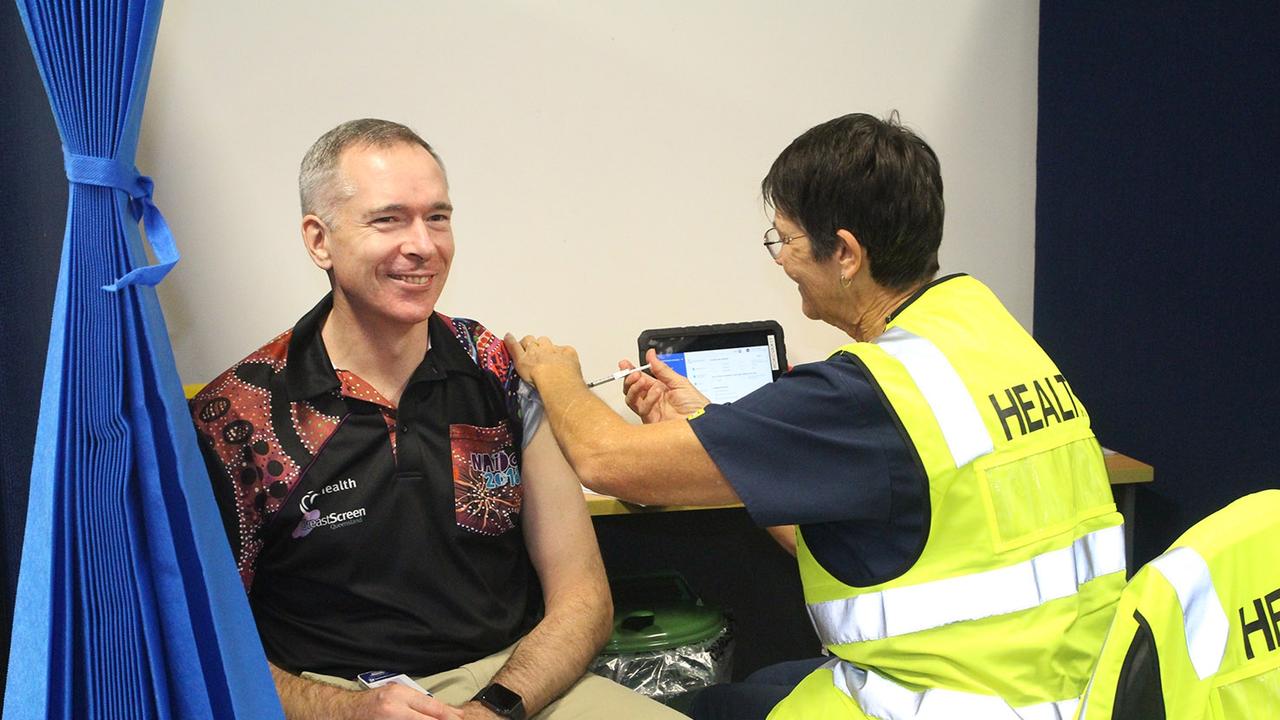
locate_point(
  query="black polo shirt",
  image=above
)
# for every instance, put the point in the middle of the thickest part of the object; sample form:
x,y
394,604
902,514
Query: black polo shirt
x,y
373,537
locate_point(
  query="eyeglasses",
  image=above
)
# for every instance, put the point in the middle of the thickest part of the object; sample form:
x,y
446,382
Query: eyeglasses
x,y
774,240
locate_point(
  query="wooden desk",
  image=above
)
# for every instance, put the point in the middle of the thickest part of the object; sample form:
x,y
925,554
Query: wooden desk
x,y
1124,470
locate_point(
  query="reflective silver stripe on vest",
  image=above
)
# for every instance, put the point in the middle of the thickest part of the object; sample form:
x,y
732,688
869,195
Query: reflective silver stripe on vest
x,y
938,381
912,608
880,697
1203,619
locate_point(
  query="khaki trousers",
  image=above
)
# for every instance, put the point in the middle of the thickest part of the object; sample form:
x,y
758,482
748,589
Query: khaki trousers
x,y
590,698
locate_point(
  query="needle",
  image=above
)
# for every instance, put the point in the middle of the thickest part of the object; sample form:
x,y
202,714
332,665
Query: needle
x,y
617,376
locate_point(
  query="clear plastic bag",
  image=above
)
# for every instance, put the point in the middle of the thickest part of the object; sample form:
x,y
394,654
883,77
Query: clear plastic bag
x,y
665,674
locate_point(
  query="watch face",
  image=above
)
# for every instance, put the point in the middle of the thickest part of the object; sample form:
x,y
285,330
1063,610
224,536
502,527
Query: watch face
x,y
502,700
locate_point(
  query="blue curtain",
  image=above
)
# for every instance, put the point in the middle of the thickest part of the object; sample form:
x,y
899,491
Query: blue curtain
x,y
128,602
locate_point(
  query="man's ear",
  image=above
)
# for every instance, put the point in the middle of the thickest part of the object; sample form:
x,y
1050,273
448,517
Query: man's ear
x,y
315,236
850,254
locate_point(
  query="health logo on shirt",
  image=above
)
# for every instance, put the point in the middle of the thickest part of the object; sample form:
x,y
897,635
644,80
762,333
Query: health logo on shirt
x,y
311,517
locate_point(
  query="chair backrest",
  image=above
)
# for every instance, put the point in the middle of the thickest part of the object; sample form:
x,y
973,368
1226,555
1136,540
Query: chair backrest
x,y
1197,630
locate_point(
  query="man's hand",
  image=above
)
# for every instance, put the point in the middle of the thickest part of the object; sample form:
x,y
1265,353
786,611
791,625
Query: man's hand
x,y
534,357
667,395
394,702
304,699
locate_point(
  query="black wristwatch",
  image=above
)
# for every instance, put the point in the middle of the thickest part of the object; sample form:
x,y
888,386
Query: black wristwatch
x,y
502,700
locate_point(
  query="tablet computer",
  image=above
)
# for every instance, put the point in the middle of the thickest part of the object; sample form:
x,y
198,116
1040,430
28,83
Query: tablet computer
x,y
724,362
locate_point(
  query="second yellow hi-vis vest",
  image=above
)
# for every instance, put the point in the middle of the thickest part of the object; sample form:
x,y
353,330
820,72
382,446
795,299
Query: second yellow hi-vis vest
x,y
1197,632
1003,613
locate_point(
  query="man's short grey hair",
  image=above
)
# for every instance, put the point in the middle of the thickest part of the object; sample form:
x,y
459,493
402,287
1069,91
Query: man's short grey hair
x,y
320,185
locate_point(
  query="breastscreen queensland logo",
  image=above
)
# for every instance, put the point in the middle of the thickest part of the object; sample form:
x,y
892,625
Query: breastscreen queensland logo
x,y
311,517
498,469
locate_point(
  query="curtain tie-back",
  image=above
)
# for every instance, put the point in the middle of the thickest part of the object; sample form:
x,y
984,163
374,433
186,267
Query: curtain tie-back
x,y
112,173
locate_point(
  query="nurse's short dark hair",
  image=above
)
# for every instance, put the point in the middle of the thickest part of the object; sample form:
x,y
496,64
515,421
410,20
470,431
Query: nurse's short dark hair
x,y
874,178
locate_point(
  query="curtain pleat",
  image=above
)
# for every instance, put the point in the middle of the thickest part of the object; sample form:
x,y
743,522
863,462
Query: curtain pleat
x,y
128,604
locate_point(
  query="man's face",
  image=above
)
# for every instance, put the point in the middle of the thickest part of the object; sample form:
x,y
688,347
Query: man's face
x,y
391,244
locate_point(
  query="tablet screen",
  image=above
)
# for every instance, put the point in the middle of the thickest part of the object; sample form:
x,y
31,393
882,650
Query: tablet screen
x,y
724,375
724,362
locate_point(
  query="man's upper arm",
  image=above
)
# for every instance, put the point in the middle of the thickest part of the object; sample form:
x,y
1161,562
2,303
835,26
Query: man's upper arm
x,y
557,528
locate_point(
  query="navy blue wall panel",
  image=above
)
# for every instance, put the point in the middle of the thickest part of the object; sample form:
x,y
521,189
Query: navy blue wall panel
x,y
33,207
1156,241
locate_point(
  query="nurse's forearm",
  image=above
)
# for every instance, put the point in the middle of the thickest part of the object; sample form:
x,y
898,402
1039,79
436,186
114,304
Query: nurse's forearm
x,y
656,464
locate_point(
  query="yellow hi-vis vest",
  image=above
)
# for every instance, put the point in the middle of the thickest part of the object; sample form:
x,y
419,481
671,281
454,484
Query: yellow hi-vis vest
x,y
1004,611
1197,631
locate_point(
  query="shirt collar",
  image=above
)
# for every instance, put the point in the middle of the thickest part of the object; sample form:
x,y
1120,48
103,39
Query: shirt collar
x,y
916,295
447,355
309,371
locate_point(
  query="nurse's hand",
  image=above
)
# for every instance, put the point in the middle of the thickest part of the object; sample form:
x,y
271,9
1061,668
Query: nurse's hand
x,y
535,357
666,395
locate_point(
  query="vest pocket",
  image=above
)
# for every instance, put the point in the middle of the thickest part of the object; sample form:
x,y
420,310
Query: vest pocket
x,y
487,485
1045,493
1248,696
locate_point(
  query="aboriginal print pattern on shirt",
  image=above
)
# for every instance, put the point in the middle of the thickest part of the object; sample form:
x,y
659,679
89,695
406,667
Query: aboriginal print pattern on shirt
x,y
262,443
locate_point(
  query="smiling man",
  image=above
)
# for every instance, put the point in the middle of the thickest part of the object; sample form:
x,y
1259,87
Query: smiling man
x,y
390,500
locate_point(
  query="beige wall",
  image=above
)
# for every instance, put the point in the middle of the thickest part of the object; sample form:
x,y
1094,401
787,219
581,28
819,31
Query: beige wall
x,y
605,157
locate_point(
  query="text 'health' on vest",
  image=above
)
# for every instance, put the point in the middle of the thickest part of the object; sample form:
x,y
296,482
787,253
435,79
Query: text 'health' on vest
x,y
1267,622
1047,401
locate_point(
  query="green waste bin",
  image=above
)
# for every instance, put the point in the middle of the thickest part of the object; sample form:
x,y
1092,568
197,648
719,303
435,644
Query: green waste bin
x,y
665,640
